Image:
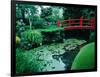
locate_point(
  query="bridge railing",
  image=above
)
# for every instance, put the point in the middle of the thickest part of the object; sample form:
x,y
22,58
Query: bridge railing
x,y
77,22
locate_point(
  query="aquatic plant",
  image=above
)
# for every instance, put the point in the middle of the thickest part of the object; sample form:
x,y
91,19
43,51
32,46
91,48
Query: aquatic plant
x,y
85,58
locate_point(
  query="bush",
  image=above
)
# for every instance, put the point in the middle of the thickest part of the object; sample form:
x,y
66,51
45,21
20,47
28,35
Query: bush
x,y
37,37
38,24
85,58
32,38
92,37
25,62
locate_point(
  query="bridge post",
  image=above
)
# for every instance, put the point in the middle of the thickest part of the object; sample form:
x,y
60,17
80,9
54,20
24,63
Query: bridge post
x,y
58,23
81,22
92,23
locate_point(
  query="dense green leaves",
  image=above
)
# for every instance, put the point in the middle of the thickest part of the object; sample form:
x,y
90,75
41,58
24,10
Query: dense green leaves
x,y
92,37
76,12
31,38
85,58
25,62
46,12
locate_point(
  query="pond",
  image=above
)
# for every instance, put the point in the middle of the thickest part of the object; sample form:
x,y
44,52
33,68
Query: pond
x,y
54,56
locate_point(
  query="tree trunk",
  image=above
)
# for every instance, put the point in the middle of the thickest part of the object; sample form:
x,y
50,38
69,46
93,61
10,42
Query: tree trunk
x,y
30,22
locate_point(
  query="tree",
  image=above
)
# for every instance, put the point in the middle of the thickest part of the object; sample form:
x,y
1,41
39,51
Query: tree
x,y
88,13
45,12
26,12
77,12
57,13
71,12
30,14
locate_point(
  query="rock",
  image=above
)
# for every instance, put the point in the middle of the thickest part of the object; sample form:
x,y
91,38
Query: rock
x,y
70,47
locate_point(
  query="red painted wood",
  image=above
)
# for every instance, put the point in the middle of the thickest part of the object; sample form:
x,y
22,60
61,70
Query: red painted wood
x,y
92,22
81,22
69,22
58,23
74,24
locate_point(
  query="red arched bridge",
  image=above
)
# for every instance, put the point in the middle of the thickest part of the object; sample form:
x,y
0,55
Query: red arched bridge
x,y
77,24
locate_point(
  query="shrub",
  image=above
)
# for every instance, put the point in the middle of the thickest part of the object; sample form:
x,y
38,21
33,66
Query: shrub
x,y
30,38
85,58
25,62
37,37
92,37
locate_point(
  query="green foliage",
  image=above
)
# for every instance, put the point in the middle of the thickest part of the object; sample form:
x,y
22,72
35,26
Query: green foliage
x,y
52,34
26,12
85,58
39,23
46,12
37,37
92,37
71,12
76,12
57,13
33,36
25,62
52,14
88,13
52,29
